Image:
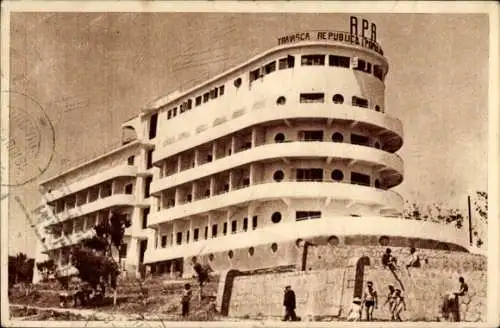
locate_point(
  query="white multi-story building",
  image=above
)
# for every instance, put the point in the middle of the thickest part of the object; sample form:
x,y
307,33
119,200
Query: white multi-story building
x,y
294,144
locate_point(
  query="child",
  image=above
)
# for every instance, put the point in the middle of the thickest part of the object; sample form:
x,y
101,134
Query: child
x,y
186,298
390,299
399,305
354,313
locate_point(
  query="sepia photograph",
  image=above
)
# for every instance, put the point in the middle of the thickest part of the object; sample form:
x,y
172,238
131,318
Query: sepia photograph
x,y
243,163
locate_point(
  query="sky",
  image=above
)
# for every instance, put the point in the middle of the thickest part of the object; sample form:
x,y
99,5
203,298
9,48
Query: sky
x,y
92,71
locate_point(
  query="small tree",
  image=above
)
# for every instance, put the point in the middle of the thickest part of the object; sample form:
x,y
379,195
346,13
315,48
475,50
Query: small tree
x,y
481,209
93,258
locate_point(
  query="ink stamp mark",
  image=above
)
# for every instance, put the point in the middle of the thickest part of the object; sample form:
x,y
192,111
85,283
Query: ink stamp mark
x,y
31,140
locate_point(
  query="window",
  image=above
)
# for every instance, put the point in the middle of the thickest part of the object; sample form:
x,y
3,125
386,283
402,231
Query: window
x,y
251,251
189,198
214,93
123,250
150,159
338,99
357,139
198,101
288,62
153,121
129,189
377,145
339,61
130,160
254,223
147,186
278,176
359,102
360,179
221,90
269,68
255,74
178,240
333,241
281,100
313,60
337,175
305,215
309,175
274,247
377,108
206,96
187,236
234,226
306,98
206,232
145,214
214,231
337,137
280,137
224,229
377,183
196,234
316,135
276,217
368,68
378,72
237,82
174,111
169,114
230,254
361,65
163,241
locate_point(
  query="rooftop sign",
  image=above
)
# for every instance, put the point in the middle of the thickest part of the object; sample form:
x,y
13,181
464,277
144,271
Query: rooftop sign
x,y
357,35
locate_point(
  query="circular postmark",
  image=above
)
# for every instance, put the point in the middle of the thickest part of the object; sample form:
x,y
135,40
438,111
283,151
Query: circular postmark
x,y
30,143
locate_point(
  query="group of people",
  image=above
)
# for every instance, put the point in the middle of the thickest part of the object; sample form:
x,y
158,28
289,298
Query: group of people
x,y
369,302
390,262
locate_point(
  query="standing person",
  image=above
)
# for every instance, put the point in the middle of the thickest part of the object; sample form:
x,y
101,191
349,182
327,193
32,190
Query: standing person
x,y
354,313
369,300
186,299
289,303
399,305
390,300
463,289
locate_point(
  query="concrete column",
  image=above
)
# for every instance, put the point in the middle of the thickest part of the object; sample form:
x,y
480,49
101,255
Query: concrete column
x,y
84,228
174,234
113,187
212,186
158,237
191,237
99,193
194,190
251,176
196,157
209,224
177,196
179,163
161,200
231,180
254,136
214,151
233,145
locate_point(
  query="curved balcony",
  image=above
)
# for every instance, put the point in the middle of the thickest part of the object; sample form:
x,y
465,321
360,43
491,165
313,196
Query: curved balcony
x,y
100,204
325,226
385,126
114,172
389,201
65,241
374,157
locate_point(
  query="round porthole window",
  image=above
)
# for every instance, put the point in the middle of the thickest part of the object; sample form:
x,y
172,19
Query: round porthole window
x,y
276,217
274,247
337,137
338,99
211,257
384,240
333,241
337,175
280,137
278,176
230,254
281,100
251,251
237,82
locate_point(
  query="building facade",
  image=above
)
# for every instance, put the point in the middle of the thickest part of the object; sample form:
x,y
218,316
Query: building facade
x,y
293,145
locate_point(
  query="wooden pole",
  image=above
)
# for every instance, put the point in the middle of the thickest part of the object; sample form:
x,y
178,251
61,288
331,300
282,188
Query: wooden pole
x,y
470,220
